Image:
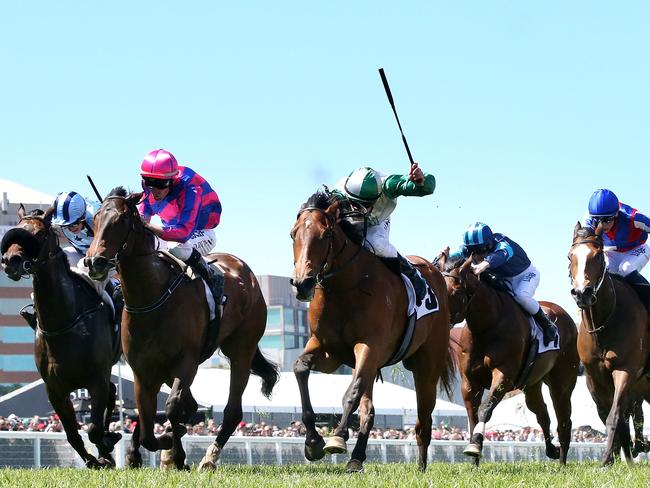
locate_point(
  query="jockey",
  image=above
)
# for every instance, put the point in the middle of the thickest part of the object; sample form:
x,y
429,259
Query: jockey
x,y
508,261
189,210
73,218
625,232
73,215
378,193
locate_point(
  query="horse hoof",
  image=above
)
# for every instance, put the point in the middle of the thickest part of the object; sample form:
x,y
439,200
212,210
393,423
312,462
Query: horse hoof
x,y
166,459
92,462
134,460
335,445
106,462
552,451
473,450
354,466
209,461
314,452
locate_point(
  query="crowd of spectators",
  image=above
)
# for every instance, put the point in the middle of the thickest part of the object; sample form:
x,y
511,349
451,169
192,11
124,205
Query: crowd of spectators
x,y
297,429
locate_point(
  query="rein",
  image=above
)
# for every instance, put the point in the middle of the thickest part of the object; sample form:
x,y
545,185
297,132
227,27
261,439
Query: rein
x,y
73,324
464,283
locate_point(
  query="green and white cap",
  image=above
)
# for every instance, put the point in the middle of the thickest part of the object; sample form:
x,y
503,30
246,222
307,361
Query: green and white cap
x,y
363,184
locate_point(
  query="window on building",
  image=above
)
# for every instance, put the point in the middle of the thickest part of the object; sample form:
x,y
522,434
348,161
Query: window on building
x,y
16,335
273,318
271,342
290,341
17,362
303,321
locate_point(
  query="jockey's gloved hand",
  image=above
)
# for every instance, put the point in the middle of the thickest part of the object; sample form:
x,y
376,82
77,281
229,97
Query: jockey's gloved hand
x,y
477,269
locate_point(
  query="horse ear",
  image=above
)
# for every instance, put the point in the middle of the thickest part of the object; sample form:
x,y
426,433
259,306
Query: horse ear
x,y
133,199
466,265
21,211
576,229
47,216
440,261
333,211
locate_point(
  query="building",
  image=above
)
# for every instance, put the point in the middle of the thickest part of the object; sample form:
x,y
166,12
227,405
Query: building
x,y
16,338
287,325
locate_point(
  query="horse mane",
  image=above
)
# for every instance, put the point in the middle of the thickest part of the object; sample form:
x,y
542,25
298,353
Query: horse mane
x,y
324,198
118,191
37,212
454,263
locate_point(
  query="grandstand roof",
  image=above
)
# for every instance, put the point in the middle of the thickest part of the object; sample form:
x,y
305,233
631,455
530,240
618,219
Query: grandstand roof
x,y
17,193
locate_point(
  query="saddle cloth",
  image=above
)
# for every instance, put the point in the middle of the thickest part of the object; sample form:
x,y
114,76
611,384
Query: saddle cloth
x,y
538,335
428,306
190,273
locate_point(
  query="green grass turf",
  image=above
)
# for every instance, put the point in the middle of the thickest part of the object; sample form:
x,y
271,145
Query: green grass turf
x,y
540,475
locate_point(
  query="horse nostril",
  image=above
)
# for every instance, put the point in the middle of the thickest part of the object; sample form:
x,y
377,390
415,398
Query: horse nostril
x,y
574,292
291,282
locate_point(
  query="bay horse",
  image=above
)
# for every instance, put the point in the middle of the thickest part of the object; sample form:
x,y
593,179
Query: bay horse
x,y
74,345
165,326
494,348
612,339
357,317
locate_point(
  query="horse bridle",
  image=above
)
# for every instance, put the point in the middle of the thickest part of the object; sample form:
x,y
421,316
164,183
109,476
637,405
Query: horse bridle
x,y
28,264
114,261
322,273
601,280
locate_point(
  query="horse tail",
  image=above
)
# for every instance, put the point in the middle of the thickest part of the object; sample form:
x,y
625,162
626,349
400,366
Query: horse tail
x,y
267,370
449,373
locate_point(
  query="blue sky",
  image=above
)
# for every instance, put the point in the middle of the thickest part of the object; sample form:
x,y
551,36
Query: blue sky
x,y
520,109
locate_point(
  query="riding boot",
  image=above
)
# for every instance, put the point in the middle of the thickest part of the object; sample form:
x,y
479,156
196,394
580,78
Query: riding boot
x,y
30,317
419,284
115,291
548,328
641,286
213,280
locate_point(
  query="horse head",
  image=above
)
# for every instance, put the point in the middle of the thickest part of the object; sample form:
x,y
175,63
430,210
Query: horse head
x,y
461,286
313,242
587,264
24,246
116,223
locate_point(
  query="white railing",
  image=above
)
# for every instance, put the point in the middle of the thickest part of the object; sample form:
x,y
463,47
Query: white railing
x,y
38,449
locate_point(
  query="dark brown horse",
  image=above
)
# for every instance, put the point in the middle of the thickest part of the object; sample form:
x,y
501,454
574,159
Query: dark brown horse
x,y
165,326
75,345
494,346
357,317
612,340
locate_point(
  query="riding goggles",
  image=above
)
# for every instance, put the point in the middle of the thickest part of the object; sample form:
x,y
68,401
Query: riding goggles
x,y
606,220
156,183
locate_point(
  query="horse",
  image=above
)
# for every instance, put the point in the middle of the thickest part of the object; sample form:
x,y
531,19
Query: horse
x,y
357,317
494,350
75,344
165,326
612,339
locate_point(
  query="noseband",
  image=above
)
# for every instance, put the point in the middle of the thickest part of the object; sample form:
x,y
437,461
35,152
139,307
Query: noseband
x,y
39,259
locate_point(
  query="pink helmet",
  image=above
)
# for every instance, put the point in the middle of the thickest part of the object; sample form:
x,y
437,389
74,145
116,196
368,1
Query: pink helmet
x,y
159,164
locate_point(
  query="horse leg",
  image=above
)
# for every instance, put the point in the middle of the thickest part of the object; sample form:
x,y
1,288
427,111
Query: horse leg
x,y
561,397
315,358
232,414
637,421
64,409
145,400
366,421
362,379
499,387
102,400
472,395
180,406
133,456
425,392
617,431
535,403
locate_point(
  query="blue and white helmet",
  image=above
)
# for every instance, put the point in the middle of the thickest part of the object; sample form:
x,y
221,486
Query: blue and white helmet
x,y
477,235
69,207
603,203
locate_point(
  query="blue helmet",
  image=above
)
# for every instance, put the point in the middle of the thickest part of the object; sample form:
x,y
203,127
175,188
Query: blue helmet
x,y
478,235
69,207
603,203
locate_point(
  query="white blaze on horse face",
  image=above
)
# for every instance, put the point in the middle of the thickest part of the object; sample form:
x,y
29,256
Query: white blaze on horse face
x,y
581,254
